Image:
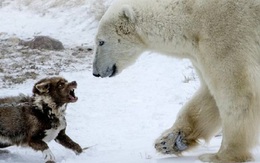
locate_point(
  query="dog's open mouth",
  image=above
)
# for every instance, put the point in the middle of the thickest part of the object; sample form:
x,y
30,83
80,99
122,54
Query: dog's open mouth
x,y
72,96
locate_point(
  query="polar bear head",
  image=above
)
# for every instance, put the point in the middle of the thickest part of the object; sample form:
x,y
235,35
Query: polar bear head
x,y
118,43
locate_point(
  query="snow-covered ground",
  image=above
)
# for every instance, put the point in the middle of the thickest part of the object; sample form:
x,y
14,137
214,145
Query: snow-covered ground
x,y
119,117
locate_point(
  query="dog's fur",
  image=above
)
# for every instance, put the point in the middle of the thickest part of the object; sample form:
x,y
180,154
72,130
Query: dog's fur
x,y
34,121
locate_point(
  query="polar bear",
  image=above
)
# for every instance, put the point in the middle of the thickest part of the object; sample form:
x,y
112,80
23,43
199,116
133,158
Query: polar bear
x,y
222,40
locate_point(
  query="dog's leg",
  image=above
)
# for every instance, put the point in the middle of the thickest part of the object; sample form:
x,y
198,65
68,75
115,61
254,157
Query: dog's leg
x,y
66,141
40,145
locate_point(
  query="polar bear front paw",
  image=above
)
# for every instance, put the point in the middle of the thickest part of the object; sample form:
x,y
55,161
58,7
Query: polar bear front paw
x,y
171,143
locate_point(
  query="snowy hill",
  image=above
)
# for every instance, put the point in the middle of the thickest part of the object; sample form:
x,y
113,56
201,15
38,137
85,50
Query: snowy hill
x,y
119,117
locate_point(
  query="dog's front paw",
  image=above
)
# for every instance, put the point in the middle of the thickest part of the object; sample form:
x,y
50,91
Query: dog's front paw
x,y
50,162
171,143
48,156
78,150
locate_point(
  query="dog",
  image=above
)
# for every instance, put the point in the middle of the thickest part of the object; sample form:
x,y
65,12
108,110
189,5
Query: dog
x,y
35,120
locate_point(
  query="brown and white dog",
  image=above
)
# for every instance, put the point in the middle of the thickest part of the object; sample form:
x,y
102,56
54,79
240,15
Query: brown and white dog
x,y
34,121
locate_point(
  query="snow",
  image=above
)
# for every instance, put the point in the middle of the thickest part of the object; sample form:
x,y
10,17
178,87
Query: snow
x,y
119,117
27,23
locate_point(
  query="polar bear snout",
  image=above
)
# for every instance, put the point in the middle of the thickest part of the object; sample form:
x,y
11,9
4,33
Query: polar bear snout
x,y
109,71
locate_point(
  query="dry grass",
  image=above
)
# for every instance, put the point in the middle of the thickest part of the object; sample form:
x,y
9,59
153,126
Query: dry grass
x,y
19,63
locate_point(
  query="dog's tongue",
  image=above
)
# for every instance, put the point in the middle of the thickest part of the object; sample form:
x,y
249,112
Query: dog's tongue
x,y
73,99
72,96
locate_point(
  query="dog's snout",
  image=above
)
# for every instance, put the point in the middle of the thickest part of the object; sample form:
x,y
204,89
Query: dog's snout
x,y
73,83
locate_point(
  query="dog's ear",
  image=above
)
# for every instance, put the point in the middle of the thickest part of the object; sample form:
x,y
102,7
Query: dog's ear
x,y
43,87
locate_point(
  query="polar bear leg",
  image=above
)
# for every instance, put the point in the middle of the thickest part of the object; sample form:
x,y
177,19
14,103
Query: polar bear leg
x,y
234,84
199,119
240,130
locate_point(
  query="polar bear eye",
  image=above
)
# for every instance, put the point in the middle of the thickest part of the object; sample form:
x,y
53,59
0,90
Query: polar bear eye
x,y
100,43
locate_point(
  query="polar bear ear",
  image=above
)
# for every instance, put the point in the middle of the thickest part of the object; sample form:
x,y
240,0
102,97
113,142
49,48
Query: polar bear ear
x,y
128,13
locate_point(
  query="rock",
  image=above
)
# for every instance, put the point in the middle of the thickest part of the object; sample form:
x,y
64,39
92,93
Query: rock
x,y
43,42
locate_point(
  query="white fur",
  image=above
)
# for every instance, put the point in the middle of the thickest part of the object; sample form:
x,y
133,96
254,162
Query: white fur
x,y
129,13
48,156
5,140
222,40
48,100
51,134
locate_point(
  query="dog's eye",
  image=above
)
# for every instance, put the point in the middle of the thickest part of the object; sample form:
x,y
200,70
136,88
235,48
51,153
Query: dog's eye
x,y
101,43
61,85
